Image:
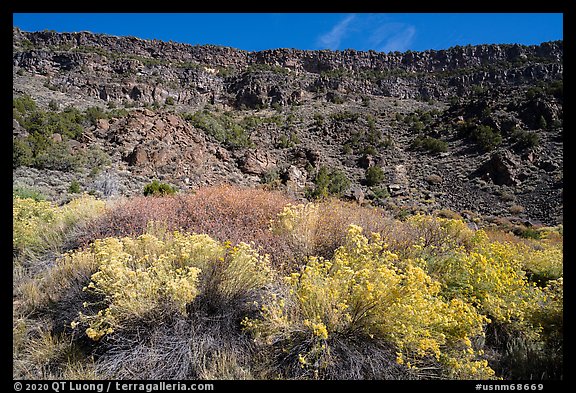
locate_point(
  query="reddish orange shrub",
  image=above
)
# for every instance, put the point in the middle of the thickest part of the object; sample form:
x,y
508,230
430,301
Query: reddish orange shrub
x,y
222,212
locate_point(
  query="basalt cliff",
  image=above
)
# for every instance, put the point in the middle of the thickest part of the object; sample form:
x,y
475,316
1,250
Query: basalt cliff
x,y
475,130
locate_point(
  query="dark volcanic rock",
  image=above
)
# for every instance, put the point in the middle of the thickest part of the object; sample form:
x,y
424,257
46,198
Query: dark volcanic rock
x,y
139,156
502,169
302,110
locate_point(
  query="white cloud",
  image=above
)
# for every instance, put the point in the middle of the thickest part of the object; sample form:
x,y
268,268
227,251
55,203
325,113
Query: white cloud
x,y
369,31
332,39
400,40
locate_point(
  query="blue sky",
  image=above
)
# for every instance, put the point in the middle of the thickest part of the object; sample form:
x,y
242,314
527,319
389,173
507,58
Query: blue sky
x,y
383,32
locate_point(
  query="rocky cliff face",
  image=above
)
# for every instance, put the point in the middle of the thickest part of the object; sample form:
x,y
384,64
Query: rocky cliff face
x,y
204,114
131,69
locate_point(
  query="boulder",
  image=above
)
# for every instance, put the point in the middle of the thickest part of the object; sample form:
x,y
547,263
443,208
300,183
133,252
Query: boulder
x,y
18,130
502,168
358,195
366,161
56,137
138,157
257,162
548,165
103,124
296,177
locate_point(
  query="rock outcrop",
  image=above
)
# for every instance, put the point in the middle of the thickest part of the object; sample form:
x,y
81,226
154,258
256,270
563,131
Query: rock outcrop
x,y
134,70
458,128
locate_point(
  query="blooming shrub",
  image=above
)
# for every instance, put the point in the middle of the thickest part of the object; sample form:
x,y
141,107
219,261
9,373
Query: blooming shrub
x,y
362,292
436,235
28,216
318,229
137,277
39,225
427,297
542,262
502,282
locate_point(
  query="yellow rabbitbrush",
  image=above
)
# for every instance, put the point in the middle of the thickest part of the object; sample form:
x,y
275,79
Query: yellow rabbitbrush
x,y
362,292
137,277
40,225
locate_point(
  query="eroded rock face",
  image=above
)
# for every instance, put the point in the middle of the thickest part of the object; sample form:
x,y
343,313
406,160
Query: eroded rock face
x,y
296,178
535,110
324,98
153,142
257,162
148,71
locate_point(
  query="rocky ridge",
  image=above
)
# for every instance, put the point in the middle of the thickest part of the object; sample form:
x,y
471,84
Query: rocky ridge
x,y
300,110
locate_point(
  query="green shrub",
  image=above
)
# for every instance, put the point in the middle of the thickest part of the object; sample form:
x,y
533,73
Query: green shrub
x,y
271,177
525,139
417,127
369,150
26,192
542,123
556,88
222,127
94,113
534,92
486,137
22,154
374,175
56,156
24,104
67,123
342,116
285,141
156,188
39,149
318,120
336,98
381,193
329,182
53,105
430,144
74,187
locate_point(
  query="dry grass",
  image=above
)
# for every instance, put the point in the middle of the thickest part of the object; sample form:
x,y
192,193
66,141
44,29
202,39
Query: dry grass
x,y
202,347
39,353
516,209
319,229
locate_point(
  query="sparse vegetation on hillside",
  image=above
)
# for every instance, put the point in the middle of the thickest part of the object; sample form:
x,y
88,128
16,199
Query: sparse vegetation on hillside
x,y
430,144
222,127
47,143
329,182
374,176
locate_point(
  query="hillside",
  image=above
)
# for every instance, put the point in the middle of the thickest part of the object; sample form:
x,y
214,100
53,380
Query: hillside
x,y
475,129
201,213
